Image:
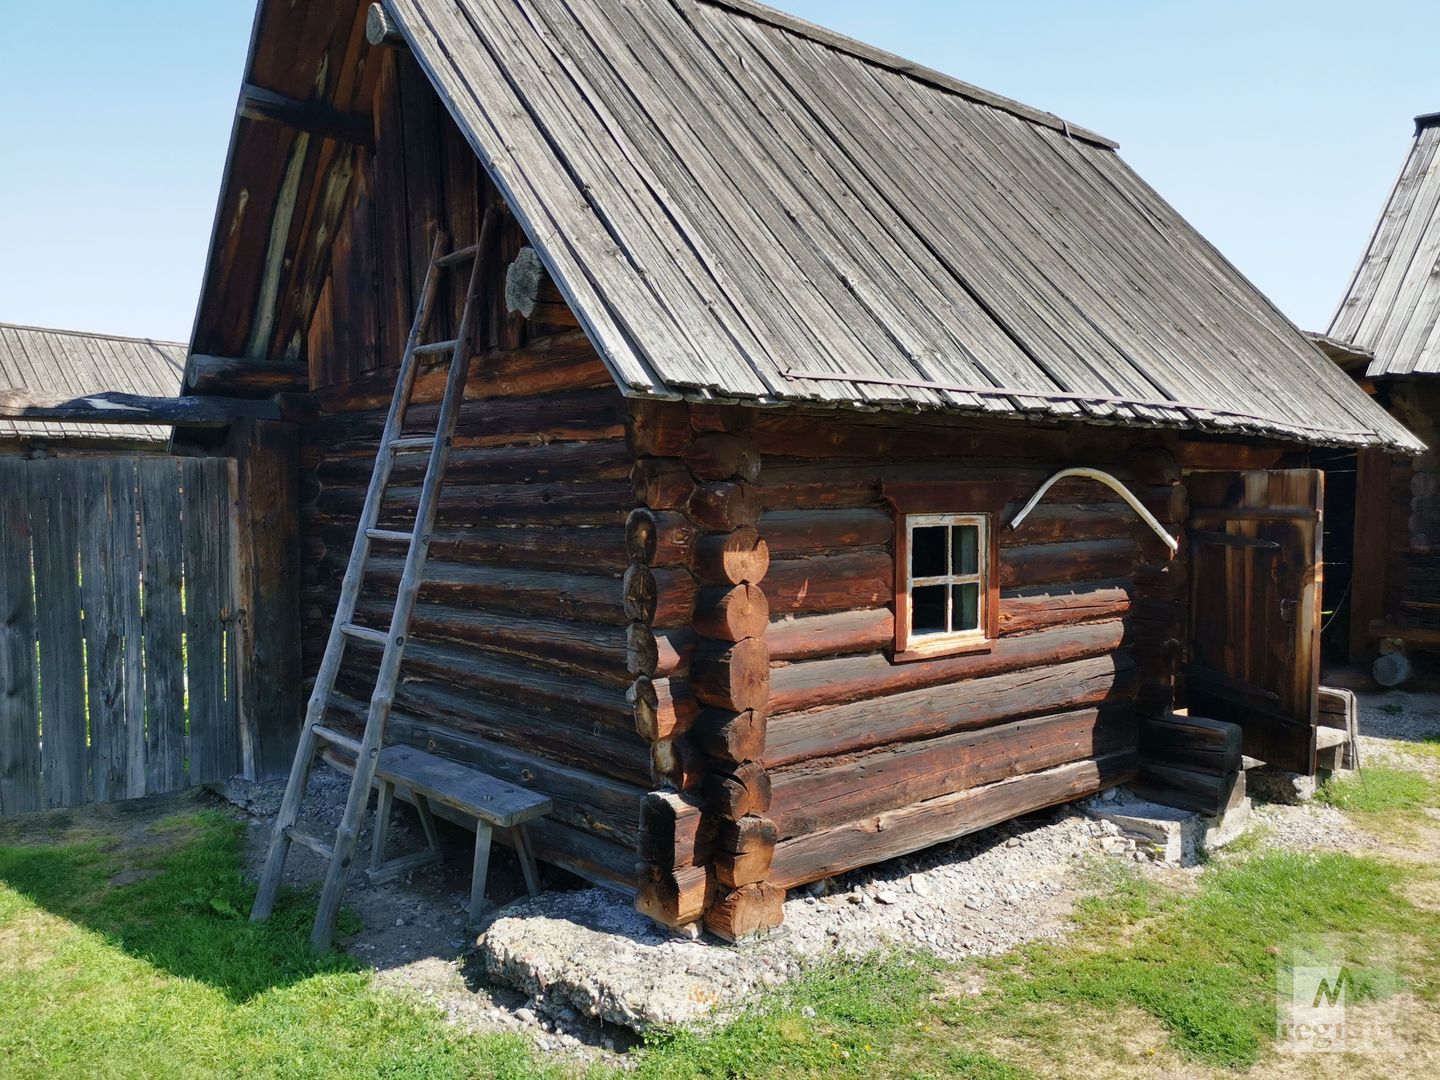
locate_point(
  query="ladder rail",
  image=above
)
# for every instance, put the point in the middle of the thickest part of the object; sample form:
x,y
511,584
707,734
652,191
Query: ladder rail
x,y
382,699
289,811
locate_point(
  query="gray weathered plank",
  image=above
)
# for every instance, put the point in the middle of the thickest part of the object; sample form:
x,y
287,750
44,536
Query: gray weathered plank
x,y
20,787
206,533
164,670
101,533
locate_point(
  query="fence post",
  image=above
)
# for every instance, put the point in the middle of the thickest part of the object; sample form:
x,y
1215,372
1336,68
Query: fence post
x,y
265,576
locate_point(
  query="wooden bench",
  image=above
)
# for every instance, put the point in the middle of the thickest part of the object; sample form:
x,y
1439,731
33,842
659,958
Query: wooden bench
x,y
492,803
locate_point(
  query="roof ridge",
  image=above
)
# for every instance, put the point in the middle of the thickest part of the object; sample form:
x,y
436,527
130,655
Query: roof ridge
x,y
93,334
1425,120
870,53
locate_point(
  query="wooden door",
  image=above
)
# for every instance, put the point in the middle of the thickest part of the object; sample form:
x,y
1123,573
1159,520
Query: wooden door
x,y
1255,573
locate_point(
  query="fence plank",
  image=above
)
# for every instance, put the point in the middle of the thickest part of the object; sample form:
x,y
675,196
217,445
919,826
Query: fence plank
x,y
125,497
20,788
63,750
93,485
212,732
164,667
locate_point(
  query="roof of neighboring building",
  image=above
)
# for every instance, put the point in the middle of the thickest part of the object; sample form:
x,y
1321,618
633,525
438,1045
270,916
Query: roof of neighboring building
x,y
69,363
1392,308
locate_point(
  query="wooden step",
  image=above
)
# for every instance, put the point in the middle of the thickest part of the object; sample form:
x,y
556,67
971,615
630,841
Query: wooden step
x,y
1328,737
459,255
364,633
323,848
391,535
460,787
434,347
336,738
413,442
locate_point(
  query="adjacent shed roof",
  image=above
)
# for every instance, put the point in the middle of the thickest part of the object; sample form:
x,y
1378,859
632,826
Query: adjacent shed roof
x,y
1392,308
69,363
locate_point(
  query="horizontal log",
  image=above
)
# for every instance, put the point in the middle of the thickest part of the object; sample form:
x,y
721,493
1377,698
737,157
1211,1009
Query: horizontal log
x,y
744,850
826,583
953,706
595,459
676,763
724,506
661,483
720,455
231,376
730,736
832,485
1023,611
578,416
810,532
116,408
876,838
731,613
551,365
599,503
825,792
314,117
733,791
735,676
658,653
660,537
595,650
598,547
674,898
814,683
842,633
1058,564
1055,522
732,558
658,428
746,911
583,799
575,597
660,597
1192,742
674,830
662,708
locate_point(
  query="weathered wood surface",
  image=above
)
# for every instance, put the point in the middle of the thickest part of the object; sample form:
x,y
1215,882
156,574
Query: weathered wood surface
x,y
458,786
113,540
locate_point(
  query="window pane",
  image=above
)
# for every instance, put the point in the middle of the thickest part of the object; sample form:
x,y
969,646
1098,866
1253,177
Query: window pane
x,y
966,539
927,609
967,607
927,551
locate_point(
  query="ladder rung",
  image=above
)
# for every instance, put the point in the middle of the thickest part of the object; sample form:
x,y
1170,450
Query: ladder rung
x,y
393,535
364,633
459,255
413,442
336,738
310,840
435,347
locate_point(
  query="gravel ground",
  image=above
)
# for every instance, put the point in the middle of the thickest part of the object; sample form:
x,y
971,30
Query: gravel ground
x,y
1394,723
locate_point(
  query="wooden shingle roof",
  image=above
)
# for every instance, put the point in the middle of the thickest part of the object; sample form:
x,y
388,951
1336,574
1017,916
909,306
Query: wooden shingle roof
x,y
743,206
1392,308
69,364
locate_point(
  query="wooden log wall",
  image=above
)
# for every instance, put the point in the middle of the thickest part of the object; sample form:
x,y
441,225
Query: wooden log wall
x,y
519,644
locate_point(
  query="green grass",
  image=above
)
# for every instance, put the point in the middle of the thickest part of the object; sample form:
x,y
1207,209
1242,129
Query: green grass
x,y
1379,788
167,977
1428,746
164,976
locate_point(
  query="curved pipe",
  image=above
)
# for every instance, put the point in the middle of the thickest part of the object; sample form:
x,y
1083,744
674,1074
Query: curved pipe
x,y
1110,482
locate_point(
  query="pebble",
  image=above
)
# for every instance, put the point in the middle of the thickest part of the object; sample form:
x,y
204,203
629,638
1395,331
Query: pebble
x,y
885,896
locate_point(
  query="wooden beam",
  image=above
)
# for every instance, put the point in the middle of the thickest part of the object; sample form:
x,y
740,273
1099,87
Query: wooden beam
x,y
237,376
116,408
380,28
315,117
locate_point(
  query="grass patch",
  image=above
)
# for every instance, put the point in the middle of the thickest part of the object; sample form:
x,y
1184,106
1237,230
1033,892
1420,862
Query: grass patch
x,y
1426,746
166,976
1377,789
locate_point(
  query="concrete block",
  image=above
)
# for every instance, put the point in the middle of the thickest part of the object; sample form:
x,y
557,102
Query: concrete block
x,y
1178,837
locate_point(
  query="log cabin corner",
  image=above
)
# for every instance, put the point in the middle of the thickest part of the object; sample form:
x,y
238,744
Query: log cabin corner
x,y
780,334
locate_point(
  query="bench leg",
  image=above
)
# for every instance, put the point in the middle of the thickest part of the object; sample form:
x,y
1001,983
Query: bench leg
x,y
479,872
527,859
382,824
427,821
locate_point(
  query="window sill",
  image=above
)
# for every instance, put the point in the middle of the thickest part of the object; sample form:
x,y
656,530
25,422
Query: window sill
x,y
941,649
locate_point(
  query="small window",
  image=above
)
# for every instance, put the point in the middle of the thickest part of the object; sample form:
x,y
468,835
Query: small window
x,y
943,576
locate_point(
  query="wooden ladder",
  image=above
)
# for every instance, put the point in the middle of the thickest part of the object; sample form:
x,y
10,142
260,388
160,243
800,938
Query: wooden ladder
x,y
314,736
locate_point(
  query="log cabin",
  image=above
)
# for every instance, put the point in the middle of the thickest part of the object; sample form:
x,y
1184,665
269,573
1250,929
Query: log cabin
x,y
739,557
44,366
1384,336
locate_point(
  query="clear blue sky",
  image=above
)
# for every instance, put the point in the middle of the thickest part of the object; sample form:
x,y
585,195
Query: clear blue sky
x,y
1275,127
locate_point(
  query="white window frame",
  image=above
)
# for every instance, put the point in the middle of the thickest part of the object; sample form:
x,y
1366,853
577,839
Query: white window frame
x,y
922,641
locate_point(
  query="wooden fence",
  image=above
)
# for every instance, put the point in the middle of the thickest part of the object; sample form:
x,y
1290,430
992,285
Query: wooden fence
x,y
116,654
